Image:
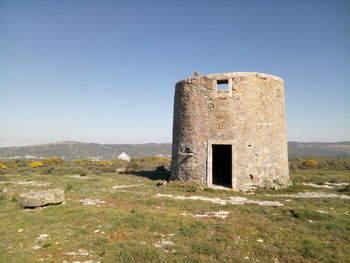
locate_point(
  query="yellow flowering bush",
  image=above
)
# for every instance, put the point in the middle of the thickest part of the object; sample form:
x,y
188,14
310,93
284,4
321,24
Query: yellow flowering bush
x,y
150,159
53,161
310,162
36,164
3,166
77,162
103,163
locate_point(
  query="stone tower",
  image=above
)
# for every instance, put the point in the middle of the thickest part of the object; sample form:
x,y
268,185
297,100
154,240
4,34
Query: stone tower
x,y
229,130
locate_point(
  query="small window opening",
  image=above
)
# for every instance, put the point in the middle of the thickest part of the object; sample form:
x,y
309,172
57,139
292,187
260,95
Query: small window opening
x,y
222,84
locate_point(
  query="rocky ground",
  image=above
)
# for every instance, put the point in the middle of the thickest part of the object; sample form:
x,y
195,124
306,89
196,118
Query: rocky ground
x,y
126,217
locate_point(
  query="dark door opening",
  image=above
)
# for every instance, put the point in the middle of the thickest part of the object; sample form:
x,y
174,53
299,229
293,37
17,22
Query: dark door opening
x,y
222,165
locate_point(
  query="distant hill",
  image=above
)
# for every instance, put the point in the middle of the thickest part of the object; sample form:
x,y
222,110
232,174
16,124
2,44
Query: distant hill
x,y
319,149
93,151
77,150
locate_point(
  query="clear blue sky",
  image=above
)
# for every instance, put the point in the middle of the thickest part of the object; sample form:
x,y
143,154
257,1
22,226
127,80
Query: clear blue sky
x,y
105,71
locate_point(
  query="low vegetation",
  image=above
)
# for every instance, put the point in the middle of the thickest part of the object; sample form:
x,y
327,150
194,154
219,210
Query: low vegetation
x,y
115,212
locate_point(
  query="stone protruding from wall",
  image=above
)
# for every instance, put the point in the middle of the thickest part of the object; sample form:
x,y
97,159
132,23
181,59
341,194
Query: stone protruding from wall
x,y
249,115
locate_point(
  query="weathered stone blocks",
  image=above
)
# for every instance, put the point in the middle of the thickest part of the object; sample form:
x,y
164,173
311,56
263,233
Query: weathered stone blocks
x,y
42,198
249,116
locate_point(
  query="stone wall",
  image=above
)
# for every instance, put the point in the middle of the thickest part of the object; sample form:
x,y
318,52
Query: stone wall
x,y
250,116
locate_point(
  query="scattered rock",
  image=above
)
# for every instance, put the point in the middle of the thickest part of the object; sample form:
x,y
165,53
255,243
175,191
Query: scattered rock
x,y
163,243
42,198
313,195
218,214
43,237
36,247
260,241
167,235
322,212
234,200
88,201
318,185
336,184
80,252
20,230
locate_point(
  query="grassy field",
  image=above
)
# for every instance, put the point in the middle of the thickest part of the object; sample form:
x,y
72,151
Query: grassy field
x,y
117,216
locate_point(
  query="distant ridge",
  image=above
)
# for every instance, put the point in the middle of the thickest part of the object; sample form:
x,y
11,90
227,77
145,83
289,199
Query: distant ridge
x,y
319,149
71,150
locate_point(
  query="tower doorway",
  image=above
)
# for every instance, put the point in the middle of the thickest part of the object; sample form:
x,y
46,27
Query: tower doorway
x,y
222,165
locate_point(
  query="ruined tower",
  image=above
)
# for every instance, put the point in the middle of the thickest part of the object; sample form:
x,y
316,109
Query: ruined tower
x,y
229,130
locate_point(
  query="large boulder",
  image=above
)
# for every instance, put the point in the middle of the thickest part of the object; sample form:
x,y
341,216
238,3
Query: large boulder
x,y
42,198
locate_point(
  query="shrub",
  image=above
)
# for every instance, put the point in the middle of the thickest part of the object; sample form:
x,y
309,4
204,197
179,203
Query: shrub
x,y
103,163
53,161
133,166
150,159
310,162
48,170
77,162
3,178
36,164
335,181
20,163
3,166
345,189
83,174
68,187
320,163
14,199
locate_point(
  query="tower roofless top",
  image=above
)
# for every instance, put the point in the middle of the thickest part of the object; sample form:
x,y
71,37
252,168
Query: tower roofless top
x,y
235,75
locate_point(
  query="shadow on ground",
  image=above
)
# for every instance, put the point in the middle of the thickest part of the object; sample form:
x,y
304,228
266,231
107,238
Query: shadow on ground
x,y
152,175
